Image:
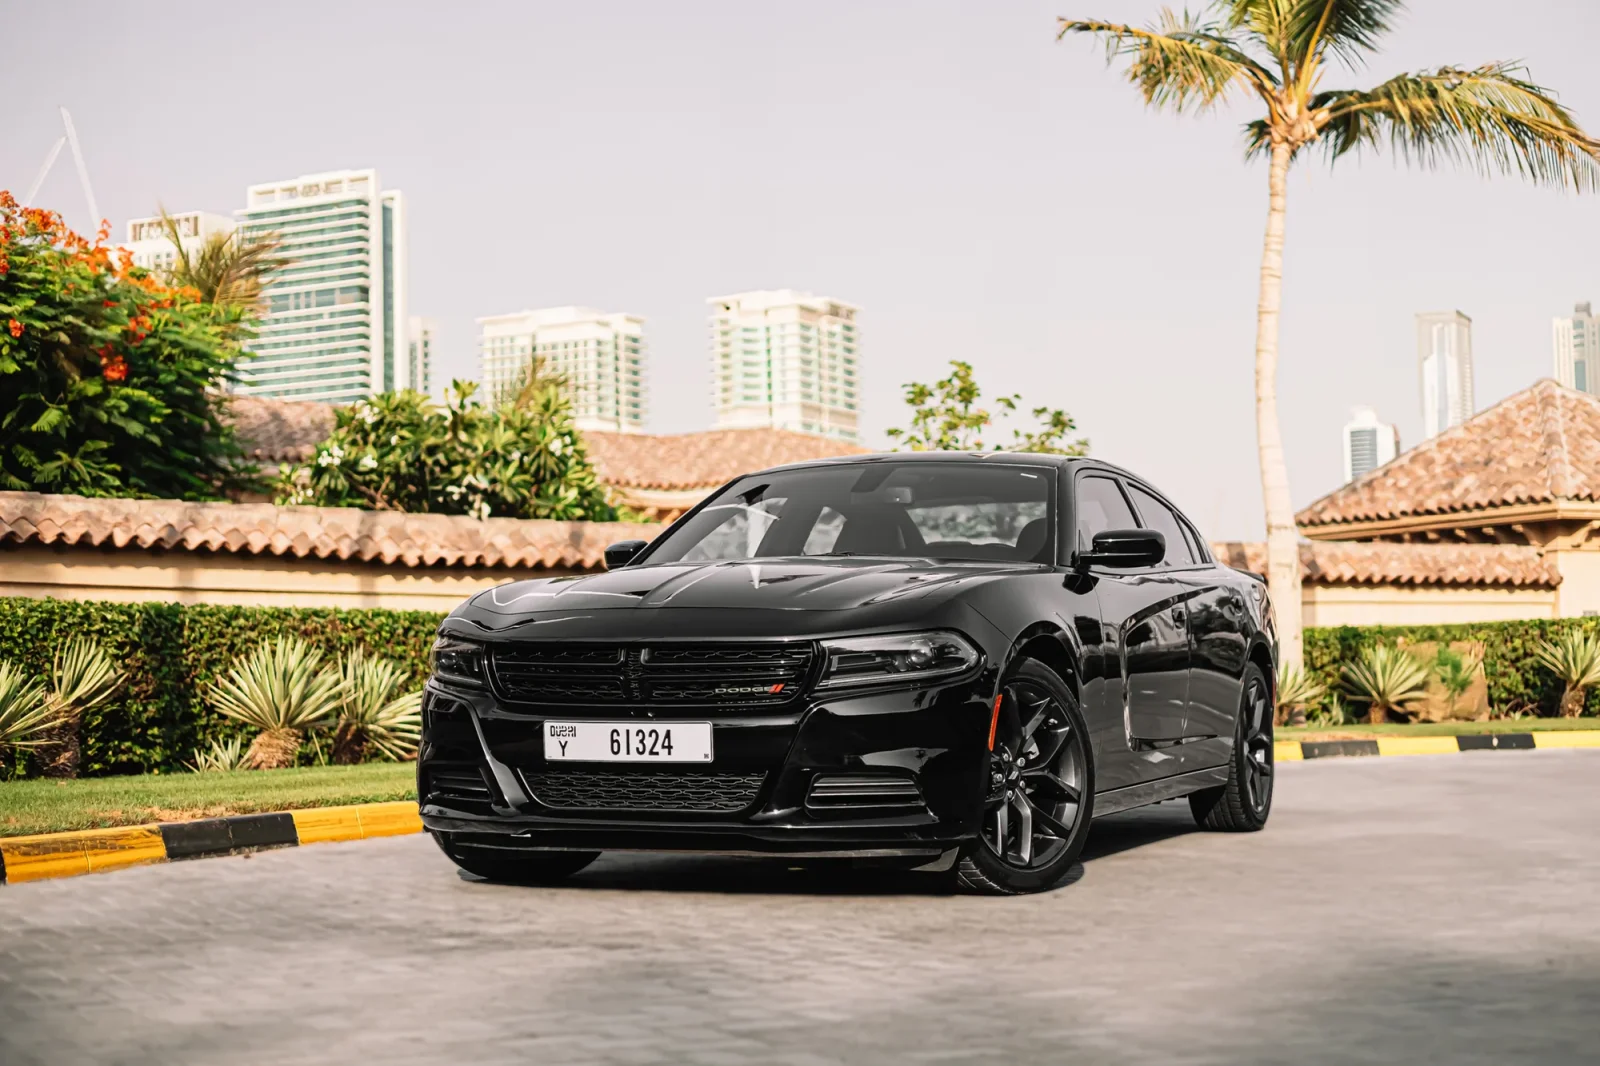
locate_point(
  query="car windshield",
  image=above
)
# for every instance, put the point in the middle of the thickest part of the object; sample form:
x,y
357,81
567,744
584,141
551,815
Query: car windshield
x,y
927,510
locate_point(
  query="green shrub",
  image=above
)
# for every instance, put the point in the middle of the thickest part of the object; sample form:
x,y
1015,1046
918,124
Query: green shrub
x,y
171,654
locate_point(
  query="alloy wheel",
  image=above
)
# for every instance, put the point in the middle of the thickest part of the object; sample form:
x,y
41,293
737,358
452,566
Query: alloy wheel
x,y
1036,778
1257,746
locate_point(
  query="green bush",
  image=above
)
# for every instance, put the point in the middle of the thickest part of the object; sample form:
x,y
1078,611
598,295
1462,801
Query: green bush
x,y
1516,679
172,653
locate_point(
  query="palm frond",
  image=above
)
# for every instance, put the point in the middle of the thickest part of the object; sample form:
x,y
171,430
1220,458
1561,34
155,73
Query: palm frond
x,y
226,270
1301,32
374,710
222,756
1183,62
26,710
1386,678
1297,689
82,675
279,686
1574,657
1491,117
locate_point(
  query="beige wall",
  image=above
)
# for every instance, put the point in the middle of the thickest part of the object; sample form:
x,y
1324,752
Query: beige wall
x,y
1580,581
1401,605
136,574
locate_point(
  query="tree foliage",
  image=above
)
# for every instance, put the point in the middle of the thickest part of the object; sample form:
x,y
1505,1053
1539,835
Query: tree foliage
x,y
946,417
519,458
226,271
110,382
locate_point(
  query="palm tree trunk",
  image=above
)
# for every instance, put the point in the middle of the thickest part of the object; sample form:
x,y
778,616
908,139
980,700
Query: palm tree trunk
x,y
273,749
1572,702
1283,546
1377,714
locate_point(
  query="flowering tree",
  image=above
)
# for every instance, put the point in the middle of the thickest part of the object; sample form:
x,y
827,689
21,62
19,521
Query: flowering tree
x,y
109,381
398,451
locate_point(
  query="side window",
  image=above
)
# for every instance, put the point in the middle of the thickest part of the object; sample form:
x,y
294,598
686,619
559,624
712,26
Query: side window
x,y
1161,518
1101,506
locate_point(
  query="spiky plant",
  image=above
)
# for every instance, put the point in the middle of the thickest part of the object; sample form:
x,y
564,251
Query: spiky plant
x,y
1574,657
82,676
1385,678
282,690
1455,672
25,708
223,755
1283,56
1297,690
375,713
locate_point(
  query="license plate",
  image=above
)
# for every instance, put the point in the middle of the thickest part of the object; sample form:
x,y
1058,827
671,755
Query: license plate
x,y
627,742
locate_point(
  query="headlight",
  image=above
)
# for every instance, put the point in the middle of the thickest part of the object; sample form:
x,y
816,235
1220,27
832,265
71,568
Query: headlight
x,y
906,657
457,660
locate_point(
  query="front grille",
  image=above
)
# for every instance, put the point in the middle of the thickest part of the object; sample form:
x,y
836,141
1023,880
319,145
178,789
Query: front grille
x,y
701,673
859,794
446,783
637,790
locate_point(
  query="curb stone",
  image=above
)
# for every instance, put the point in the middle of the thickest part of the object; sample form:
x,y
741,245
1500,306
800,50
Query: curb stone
x,y
34,858
1296,750
46,855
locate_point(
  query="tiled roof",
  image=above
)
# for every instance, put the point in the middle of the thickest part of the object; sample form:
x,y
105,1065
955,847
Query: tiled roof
x,y
279,431
341,533
1338,562
1541,445
702,460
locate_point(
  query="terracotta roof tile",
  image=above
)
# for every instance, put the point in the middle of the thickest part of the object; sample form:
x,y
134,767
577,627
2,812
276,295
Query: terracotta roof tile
x,y
279,431
702,460
1335,562
1541,445
316,532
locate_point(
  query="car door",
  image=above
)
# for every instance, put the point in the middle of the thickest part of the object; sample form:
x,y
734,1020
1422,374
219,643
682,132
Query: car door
x,y
1144,608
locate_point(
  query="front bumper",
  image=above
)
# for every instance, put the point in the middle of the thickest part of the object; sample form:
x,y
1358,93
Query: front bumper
x,y
934,737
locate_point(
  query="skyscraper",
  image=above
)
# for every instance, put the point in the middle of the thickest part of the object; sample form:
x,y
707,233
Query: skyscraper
x,y
1444,370
334,327
1368,443
152,247
600,355
420,333
785,359
1577,349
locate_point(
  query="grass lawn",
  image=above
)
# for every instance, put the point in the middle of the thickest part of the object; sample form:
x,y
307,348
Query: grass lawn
x,y
1429,729
96,802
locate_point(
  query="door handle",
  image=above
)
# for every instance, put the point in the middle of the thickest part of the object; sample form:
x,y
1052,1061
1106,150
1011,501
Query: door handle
x,y
1178,615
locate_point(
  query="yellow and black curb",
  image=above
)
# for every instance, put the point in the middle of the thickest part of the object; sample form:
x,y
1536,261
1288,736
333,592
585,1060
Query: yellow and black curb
x,y
1295,750
34,858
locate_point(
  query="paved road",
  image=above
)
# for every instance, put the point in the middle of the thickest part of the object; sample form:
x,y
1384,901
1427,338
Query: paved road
x,y
1434,909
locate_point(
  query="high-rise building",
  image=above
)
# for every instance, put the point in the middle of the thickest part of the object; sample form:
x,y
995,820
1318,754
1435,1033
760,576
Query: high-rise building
x,y
1444,370
334,327
785,359
1368,443
152,247
599,355
1577,349
420,333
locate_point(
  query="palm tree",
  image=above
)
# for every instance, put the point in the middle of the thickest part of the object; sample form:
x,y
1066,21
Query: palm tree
x,y
376,713
282,690
1574,657
1385,678
1279,51
227,271
26,710
1296,690
82,676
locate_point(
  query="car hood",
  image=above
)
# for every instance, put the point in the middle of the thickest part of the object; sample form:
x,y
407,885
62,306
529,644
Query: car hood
x,y
775,584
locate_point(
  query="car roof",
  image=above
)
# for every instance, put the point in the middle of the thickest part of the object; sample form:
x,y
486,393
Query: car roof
x,y
1030,458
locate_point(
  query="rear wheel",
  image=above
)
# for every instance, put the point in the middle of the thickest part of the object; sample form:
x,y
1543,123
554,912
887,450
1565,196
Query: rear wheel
x,y
514,867
1243,804
1041,788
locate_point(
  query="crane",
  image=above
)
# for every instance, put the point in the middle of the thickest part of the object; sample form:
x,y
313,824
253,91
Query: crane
x,y
69,137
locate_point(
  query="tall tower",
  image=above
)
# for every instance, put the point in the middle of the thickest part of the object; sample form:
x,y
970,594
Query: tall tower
x,y
334,327
1577,349
1368,443
420,333
786,359
600,355
1444,370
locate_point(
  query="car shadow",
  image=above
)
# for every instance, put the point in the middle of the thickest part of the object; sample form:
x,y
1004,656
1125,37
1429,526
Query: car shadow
x,y
737,874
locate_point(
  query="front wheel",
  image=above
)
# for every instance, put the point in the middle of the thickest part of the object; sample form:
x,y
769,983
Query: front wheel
x,y
514,867
1243,804
1040,788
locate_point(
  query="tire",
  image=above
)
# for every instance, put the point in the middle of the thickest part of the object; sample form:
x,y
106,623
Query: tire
x,y
1245,802
1045,787
515,867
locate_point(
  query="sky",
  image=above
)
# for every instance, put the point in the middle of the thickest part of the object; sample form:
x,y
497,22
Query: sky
x,y
980,190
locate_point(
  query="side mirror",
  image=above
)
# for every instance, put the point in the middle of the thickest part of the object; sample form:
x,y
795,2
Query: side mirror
x,y
622,553
1126,547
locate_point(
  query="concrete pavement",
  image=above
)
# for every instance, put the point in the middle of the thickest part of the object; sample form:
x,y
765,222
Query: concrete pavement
x,y
1395,910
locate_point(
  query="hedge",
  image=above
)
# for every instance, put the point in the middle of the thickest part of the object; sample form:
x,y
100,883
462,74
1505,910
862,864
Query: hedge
x,y
1516,680
171,654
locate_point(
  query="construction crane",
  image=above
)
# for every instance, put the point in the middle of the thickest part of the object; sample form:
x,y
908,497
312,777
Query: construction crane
x,y
70,137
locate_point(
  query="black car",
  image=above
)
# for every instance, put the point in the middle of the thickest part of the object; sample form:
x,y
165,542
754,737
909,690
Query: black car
x,y
950,661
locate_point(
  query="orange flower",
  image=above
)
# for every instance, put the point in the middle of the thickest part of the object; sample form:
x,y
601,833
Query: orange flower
x,y
116,371
16,328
